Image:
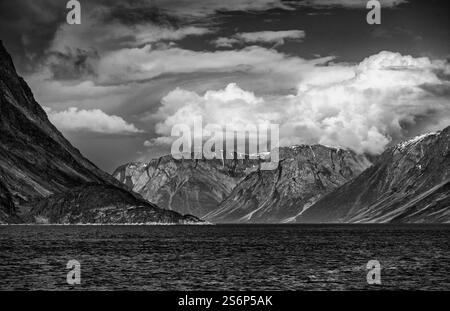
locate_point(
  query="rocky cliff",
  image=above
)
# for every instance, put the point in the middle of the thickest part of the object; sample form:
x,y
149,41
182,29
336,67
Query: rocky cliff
x,y
409,183
36,161
186,186
304,175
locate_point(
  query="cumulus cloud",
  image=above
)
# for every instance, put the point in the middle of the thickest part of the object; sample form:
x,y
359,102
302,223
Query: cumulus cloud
x,y
95,120
230,106
362,107
274,37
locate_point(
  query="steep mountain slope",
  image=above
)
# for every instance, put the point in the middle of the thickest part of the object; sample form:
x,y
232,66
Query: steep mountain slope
x,y
36,161
186,186
409,183
304,174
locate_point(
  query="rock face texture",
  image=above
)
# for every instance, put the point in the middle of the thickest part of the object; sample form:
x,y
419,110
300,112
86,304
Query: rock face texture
x,y
304,174
6,205
99,204
186,186
409,183
36,161
237,191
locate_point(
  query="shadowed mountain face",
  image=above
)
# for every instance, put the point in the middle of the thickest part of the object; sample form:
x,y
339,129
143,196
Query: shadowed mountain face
x,y
409,183
304,174
186,186
36,161
6,205
97,204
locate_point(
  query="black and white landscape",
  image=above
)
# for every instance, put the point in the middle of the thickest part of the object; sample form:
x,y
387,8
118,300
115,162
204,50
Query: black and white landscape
x,y
86,118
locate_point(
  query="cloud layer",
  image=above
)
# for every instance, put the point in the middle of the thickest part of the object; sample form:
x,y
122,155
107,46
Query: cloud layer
x,y
362,107
128,55
273,37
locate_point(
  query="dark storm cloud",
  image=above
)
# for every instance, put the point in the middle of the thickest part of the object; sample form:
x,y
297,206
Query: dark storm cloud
x,y
350,4
440,90
141,12
444,74
27,28
74,64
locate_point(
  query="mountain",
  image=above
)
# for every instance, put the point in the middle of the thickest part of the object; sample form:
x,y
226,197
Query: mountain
x,y
186,186
409,183
6,205
94,203
304,175
37,162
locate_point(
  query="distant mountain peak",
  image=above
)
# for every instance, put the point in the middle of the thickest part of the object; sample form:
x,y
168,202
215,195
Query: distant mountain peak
x,y
403,145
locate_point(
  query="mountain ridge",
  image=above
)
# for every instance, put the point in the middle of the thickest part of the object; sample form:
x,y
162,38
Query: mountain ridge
x,y
304,174
409,182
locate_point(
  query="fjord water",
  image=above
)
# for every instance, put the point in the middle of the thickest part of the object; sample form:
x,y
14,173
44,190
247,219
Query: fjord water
x,y
229,257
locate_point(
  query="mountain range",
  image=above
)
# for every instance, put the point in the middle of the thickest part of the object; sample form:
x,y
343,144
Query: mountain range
x,y
237,190
409,182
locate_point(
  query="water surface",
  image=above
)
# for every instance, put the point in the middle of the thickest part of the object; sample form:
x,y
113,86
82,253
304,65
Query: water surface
x,y
229,257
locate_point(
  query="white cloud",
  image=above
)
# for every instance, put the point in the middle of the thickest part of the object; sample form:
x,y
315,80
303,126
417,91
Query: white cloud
x,y
148,62
359,106
94,120
230,106
275,37
224,42
159,141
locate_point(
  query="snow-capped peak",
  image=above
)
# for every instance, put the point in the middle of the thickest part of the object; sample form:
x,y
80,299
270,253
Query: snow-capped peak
x,y
414,140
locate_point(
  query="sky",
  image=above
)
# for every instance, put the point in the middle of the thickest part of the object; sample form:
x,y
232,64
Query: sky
x,y
116,84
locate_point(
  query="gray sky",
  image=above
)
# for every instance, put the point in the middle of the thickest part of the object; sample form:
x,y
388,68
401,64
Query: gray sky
x,y
117,83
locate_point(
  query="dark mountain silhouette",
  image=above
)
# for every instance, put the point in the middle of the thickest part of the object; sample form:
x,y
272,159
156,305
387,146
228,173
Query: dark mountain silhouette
x,y
37,162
